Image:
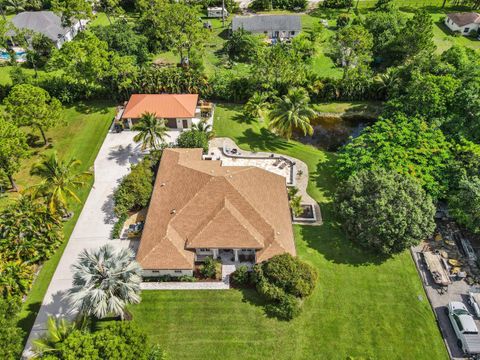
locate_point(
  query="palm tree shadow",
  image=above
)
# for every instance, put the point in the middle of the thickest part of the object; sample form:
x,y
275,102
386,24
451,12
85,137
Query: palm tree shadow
x,y
263,141
121,154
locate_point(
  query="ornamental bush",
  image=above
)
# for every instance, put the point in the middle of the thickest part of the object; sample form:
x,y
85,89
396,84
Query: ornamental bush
x,y
287,308
241,276
338,4
290,274
284,280
193,139
135,189
209,268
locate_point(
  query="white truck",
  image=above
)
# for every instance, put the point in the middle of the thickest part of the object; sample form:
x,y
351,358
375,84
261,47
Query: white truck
x,y
466,330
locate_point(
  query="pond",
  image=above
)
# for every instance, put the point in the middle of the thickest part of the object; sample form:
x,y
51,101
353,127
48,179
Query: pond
x,y
331,131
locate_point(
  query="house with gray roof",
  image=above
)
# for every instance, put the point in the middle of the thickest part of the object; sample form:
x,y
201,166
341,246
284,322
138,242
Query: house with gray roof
x,y
49,24
465,23
273,26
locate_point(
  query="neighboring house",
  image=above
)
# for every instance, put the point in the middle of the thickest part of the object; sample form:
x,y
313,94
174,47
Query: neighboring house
x,y
272,26
216,12
180,111
464,23
49,24
200,208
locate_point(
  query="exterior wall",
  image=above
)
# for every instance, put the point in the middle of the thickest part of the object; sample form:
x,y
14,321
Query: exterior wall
x,y
454,27
130,122
74,30
154,273
285,34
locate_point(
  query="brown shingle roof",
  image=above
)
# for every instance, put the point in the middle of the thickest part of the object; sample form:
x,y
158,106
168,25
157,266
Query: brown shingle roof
x,y
462,19
163,105
200,204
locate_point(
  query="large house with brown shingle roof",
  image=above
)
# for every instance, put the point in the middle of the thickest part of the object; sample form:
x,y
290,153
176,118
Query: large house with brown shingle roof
x,y
180,111
200,208
464,23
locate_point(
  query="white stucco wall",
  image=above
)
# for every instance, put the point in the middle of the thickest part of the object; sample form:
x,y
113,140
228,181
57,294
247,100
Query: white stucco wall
x,y
454,27
154,273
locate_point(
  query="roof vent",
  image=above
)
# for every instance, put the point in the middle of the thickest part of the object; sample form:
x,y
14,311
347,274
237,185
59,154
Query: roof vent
x,y
173,212
163,184
278,232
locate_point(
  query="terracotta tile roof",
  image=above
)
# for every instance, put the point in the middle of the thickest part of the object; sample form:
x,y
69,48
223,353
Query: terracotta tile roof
x,y
163,105
462,19
200,204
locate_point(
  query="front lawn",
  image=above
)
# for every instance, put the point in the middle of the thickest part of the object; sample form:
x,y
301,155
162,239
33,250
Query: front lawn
x,y
81,137
363,307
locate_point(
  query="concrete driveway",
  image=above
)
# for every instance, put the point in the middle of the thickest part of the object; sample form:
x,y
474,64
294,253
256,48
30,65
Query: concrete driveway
x,y
93,227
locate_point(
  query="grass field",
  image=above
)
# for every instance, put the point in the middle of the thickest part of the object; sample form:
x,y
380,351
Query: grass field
x,y
80,137
363,307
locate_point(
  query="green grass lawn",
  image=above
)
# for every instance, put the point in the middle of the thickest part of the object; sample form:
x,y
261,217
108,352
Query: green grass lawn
x,y
80,137
363,306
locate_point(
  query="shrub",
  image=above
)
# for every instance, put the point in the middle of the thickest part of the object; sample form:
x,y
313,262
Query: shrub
x,y
343,20
187,278
290,274
287,308
295,5
338,4
209,268
118,226
241,276
135,189
11,337
242,46
193,139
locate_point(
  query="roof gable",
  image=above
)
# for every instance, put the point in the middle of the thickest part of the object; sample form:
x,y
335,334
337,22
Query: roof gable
x,y
163,105
44,22
200,204
261,23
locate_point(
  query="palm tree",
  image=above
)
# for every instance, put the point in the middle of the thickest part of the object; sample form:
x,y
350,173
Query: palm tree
x,y
152,131
204,127
256,106
292,112
58,330
105,281
59,182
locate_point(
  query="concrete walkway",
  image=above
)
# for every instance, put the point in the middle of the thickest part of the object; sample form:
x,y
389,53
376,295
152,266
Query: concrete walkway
x,y
93,227
207,285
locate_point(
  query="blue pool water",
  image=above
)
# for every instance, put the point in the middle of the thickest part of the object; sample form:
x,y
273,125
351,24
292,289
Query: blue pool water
x,y
20,55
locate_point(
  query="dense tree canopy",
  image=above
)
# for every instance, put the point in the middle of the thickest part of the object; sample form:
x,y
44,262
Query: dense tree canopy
x,y
242,46
385,211
13,148
32,106
408,146
465,203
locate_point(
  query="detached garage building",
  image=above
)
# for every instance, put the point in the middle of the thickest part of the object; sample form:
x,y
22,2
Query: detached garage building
x,y
180,111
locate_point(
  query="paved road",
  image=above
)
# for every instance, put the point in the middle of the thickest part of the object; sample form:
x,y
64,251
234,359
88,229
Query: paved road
x,y
93,227
457,291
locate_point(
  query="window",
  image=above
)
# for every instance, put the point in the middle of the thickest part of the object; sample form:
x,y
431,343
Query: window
x,y
458,321
178,271
292,33
155,271
466,30
204,250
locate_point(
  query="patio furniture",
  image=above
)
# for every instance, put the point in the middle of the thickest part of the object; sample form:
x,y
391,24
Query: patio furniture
x,y
277,162
281,167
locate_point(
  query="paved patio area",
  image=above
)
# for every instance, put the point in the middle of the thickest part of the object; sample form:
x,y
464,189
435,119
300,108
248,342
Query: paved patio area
x,y
93,227
265,162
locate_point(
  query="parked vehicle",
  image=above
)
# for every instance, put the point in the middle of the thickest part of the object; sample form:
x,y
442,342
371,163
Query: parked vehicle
x,y
135,230
465,328
474,301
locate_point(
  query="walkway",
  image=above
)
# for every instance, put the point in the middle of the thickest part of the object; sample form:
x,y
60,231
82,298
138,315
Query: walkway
x,y
93,227
206,285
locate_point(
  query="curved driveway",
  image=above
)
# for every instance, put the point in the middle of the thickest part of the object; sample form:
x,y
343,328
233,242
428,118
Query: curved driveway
x,y
93,227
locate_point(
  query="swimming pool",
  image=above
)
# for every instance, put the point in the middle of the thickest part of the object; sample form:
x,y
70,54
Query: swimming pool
x,y
21,56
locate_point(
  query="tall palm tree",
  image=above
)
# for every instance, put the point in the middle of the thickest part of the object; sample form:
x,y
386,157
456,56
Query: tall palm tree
x,y
152,131
60,180
105,281
58,329
292,112
204,127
